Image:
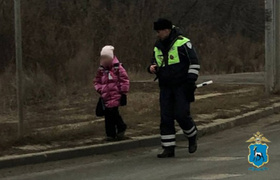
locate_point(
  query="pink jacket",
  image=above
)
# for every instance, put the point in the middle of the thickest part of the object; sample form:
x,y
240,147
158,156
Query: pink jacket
x,y
111,82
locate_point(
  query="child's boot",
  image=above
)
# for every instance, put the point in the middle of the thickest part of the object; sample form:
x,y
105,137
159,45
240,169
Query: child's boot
x,y
121,134
110,139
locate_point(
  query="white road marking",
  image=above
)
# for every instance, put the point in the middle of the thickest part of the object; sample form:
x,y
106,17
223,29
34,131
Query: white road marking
x,y
220,158
213,159
216,176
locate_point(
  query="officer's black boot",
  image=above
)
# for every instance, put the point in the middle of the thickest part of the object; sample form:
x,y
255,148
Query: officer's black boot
x,y
167,153
193,144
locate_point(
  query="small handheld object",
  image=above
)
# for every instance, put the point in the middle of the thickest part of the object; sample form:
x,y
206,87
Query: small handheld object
x,y
204,84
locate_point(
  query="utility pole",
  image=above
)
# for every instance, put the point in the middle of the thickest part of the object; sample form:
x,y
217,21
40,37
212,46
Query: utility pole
x,y
272,47
277,44
18,43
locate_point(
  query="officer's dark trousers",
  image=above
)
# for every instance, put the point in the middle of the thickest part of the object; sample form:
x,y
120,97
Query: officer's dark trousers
x,y
174,105
113,122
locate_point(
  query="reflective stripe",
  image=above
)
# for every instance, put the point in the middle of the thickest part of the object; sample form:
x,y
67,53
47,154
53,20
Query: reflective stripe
x,y
168,136
194,71
194,66
166,144
192,134
189,131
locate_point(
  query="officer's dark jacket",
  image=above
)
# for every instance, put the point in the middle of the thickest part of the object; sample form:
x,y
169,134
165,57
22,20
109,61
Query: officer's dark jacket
x,y
186,71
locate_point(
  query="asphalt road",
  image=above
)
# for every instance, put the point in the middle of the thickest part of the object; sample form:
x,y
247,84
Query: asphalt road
x,y
220,156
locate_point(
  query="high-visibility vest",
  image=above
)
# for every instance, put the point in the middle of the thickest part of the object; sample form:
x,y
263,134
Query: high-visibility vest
x,y
173,55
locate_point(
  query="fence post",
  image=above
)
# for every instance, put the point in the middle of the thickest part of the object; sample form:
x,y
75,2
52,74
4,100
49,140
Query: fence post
x,y
18,43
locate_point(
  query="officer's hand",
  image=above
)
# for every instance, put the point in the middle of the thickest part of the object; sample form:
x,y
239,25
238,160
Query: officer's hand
x,y
153,69
190,88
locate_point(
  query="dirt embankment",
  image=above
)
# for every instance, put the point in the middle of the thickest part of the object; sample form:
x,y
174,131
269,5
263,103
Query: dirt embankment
x,y
70,121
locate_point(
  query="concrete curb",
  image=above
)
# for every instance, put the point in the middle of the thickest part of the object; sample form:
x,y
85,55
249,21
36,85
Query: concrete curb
x,y
148,141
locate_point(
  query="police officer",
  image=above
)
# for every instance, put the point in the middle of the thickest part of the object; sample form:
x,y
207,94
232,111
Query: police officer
x,y
176,65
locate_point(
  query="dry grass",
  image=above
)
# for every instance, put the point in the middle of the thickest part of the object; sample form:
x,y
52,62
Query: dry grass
x,y
70,121
228,101
66,41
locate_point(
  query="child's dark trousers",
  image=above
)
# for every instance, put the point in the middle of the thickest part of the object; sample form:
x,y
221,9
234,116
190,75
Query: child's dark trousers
x,y
114,123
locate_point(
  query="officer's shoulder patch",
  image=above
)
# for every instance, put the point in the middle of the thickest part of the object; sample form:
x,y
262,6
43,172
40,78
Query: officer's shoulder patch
x,y
189,45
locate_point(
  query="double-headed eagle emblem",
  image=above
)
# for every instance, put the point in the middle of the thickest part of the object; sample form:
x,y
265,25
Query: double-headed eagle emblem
x,y
258,138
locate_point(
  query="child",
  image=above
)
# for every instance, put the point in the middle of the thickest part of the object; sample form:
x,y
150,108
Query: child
x,y
112,83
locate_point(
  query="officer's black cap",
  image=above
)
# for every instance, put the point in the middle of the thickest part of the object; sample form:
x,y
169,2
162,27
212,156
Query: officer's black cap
x,y
162,24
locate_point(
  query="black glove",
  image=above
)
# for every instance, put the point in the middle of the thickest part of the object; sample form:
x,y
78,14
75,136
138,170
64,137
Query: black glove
x,y
123,100
190,89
